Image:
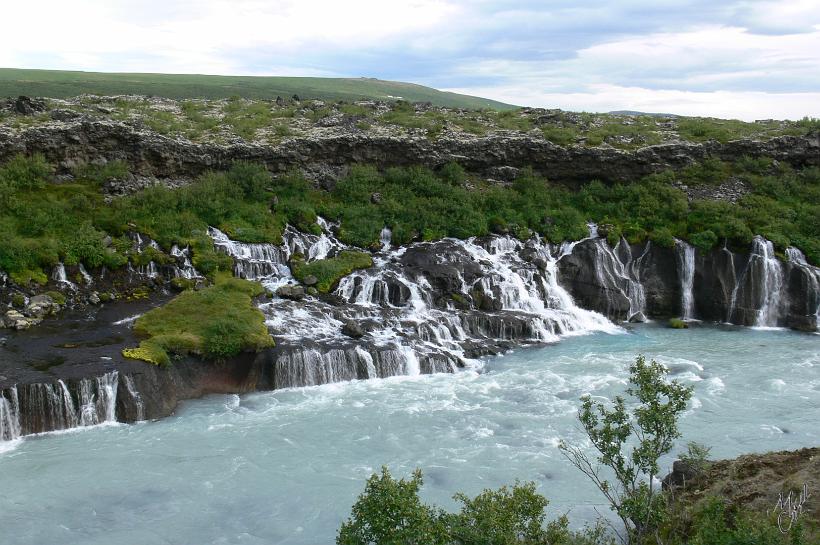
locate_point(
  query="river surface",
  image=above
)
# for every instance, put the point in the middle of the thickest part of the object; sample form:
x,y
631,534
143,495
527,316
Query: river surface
x,y
285,466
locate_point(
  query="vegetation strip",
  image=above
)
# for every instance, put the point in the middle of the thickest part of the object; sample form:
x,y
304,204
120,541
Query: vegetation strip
x,y
43,223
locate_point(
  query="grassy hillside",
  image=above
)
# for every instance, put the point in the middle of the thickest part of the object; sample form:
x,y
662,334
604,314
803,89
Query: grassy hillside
x,y
62,84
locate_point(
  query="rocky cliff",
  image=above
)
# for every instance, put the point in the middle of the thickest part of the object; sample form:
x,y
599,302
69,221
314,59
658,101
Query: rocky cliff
x,y
326,155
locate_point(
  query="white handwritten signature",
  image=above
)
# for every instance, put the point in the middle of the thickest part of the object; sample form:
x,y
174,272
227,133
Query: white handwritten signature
x,y
789,509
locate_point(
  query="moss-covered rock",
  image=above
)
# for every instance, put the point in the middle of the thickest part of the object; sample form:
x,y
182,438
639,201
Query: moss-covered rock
x,y
328,272
216,322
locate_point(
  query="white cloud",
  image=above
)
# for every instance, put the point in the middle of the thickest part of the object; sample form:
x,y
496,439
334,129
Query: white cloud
x,y
741,58
746,105
83,34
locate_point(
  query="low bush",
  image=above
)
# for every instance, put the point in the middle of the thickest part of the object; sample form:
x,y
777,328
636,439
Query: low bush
x,y
43,223
390,511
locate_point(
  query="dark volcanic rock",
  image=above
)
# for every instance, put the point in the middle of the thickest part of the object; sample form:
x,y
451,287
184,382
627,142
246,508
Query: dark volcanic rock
x,y
352,329
660,280
28,106
445,264
156,156
579,274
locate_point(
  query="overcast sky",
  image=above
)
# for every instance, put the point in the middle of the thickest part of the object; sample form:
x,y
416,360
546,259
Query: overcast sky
x,y
749,59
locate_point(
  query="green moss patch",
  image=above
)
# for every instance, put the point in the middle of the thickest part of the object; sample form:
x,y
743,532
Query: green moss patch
x,y
328,272
676,323
58,297
217,322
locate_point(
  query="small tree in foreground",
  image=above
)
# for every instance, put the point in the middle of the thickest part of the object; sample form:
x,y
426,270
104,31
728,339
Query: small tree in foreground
x,y
389,512
630,443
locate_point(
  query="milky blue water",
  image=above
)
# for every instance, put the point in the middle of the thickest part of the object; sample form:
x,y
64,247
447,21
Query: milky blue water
x,y
285,467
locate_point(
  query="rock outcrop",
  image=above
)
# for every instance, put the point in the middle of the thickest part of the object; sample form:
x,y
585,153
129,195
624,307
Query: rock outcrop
x,y
325,157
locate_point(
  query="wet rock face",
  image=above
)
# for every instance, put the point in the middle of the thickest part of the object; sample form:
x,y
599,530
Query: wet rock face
x,y
661,281
750,289
716,275
446,265
580,275
325,158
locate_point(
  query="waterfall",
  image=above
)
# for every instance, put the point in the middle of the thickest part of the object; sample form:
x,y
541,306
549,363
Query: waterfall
x,y
42,407
98,399
411,322
135,395
9,415
253,261
184,268
86,277
686,272
617,272
770,283
385,238
59,275
268,263
758,297
798,259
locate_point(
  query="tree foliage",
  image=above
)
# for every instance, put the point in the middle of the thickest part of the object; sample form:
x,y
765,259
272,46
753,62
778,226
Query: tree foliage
x,y
629,444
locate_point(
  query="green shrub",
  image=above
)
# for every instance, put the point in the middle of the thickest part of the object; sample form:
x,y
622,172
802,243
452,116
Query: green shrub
x,y
390,511
715,523
26,276
23,172
696,456
18,300
506,516
562,136
704,241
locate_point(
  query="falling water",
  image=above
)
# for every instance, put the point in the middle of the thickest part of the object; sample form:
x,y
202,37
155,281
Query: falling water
x,y
9,415
184,268
798,259
618,271
770,283
686,272
135,395
385,237
38,407
59,275
98,399
86,277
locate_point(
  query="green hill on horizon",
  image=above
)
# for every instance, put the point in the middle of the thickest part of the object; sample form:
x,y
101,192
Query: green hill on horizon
x,y
63,84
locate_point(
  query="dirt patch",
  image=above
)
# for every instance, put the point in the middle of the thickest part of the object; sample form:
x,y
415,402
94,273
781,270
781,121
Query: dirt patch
x,y
756,481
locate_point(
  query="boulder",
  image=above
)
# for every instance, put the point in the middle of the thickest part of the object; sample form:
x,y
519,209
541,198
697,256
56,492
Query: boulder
x,y
292,292
310,280
28,106
352,329
61,114
682,472
42,299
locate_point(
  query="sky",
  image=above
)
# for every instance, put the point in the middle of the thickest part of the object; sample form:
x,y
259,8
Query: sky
x,y
746,59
